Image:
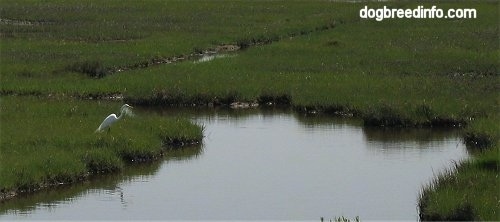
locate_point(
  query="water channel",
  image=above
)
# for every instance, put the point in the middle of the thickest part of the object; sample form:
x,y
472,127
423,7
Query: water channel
x,y
263,165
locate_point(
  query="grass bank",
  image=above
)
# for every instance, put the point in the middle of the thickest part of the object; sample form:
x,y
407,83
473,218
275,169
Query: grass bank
x,y
48,40
387,73
51,142
399,73
469,190
27,202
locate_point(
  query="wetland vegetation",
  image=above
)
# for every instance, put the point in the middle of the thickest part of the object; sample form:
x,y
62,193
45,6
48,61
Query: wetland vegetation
x,y
323,58
51,142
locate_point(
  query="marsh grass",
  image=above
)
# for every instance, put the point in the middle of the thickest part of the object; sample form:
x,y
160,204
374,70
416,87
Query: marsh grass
x,y
483,132
118,34
469,190
27,202
394,76
397,73
49,142
93,69
341,219
380,99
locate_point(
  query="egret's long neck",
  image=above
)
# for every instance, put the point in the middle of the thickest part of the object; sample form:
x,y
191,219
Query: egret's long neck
x,y
121,114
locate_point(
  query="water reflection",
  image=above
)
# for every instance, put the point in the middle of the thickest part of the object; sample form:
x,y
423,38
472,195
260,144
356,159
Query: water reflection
x,y
394,135
263,164
106,187
417,143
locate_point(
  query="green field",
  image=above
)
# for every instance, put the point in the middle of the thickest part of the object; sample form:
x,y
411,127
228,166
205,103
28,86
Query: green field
x,y
48,142
317,57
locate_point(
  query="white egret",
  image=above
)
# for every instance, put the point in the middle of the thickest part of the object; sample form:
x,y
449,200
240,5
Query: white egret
x,y
125,110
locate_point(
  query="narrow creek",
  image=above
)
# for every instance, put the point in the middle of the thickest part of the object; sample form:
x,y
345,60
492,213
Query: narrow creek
x,y
263,165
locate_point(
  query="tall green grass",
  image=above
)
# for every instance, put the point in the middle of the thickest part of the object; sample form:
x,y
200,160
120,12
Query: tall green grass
x,y
118,33
469,191
47,142
396,72
343,70
399,72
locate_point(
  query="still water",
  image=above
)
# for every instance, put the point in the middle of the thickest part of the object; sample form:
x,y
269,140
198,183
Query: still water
x,y
263,165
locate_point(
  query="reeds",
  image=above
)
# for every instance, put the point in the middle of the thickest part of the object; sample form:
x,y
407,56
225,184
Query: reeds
x,y
93,69
396,73
50,142
469,190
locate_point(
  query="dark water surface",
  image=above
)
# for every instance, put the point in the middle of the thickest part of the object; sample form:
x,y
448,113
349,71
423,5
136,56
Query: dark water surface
x,y
271,165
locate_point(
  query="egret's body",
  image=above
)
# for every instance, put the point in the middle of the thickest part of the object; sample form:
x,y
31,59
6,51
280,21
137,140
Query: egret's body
x,y
112,118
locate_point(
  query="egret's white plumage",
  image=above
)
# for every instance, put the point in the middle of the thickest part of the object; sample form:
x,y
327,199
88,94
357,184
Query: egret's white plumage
x,y
112,118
